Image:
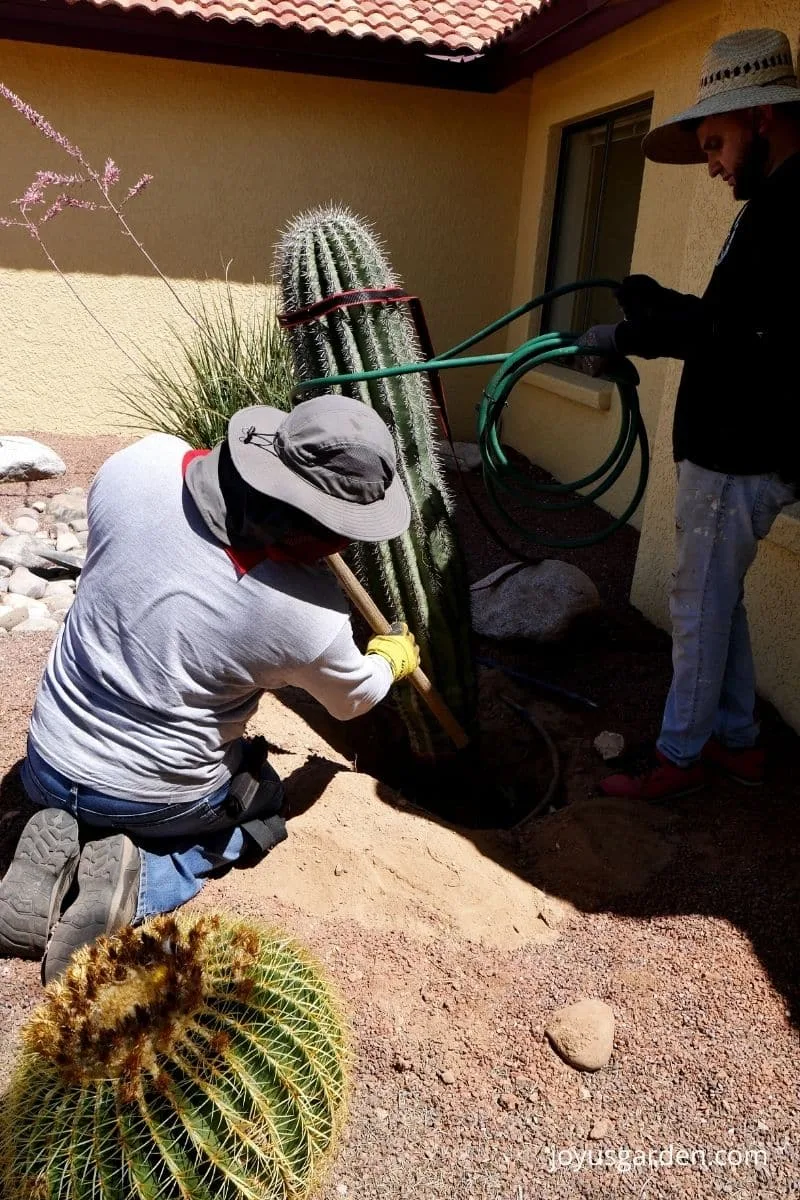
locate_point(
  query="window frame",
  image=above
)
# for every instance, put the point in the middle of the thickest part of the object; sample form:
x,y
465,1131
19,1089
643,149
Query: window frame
x,y
607,118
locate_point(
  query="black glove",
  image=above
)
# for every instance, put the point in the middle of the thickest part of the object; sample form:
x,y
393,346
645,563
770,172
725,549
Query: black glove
x,y
603,351
641,298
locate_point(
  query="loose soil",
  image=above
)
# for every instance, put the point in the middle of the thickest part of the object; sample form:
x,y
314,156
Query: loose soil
x,y
452,946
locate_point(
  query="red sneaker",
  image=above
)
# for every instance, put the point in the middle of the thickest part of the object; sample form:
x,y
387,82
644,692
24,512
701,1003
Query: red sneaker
x,y
657,779
746,766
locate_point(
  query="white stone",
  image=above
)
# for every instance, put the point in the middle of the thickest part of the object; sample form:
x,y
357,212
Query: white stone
x,y
60,587
67,542
24,583
58,604
9,617
36,625
33,608
68,506
83,536
38,506
26,525
79,525
609,745
538,602
25,511
583,1034
22,459
20,551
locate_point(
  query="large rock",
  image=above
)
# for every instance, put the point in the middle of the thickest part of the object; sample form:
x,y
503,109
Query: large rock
x,y
36,625
538,602
9,617
22,460
21,550
68,506
24,583
583,1034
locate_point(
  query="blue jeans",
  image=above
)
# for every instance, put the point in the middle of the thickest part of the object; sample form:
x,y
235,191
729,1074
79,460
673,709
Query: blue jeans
x,y
720,520
180,843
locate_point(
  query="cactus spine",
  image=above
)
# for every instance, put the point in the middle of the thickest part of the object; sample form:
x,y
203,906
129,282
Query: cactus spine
x,y
190,1057
419,577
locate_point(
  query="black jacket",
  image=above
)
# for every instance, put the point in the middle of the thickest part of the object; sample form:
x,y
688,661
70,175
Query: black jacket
x,y
738,407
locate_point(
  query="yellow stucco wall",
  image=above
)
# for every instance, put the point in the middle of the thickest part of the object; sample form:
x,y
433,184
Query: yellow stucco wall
x,y
235,153
772,583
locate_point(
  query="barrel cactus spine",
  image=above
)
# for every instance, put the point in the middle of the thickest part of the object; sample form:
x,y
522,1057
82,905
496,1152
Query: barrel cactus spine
x,y
190,1057
421,576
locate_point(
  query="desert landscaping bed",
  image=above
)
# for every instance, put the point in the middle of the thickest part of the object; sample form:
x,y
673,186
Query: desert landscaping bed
x,y
453,947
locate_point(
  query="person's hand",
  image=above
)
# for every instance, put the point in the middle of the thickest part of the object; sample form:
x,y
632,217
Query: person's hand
x,y
398,648
601,351
645,301
597,348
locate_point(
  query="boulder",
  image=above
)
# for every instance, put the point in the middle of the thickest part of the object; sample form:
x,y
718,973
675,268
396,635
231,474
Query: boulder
x,y
68,506
539,602
9,617
24,583
36,625
21,550
22,459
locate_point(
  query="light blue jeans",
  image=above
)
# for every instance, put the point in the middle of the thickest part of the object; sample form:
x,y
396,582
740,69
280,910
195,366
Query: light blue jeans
x,y
720,520
180,843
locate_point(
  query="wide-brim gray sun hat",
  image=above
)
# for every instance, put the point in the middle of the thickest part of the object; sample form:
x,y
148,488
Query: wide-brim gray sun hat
x,y
332,457
744,70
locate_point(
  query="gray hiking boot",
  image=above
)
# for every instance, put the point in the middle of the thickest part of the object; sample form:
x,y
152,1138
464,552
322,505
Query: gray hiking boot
x,y
108,893
35,884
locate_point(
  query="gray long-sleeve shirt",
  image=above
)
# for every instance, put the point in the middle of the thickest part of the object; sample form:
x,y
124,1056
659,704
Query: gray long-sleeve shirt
x,y
167,648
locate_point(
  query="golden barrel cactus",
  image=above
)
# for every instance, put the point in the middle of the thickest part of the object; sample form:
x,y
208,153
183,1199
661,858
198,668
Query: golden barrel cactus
x,y
192,1057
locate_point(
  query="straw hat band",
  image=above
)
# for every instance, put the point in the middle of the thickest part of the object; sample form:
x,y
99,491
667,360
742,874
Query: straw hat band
x,y
777,68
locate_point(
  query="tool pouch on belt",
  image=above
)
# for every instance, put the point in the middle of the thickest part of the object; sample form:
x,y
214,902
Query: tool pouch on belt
x,y
255,797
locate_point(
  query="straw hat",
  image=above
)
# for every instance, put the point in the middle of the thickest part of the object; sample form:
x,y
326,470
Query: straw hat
x,y
744,70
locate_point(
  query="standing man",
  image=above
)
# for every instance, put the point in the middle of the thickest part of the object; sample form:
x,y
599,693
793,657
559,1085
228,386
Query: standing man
x,y
736,436
203,587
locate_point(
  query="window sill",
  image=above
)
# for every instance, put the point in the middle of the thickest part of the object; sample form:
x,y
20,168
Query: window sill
x,y
786,530
572,385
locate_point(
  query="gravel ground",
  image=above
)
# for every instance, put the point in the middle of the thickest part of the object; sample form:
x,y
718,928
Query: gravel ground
x,y
684,920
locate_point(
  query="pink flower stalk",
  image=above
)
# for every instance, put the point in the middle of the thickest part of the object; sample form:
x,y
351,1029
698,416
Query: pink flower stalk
x,y
105,181
139,186
52,178
64,201
39,122
110,174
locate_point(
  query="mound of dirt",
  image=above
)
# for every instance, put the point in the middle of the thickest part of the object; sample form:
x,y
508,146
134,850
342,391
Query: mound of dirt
x,y
356,850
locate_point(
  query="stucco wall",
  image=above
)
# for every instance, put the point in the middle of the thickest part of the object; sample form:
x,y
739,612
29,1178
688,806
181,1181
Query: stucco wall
x,y
657,57
772,584
235,153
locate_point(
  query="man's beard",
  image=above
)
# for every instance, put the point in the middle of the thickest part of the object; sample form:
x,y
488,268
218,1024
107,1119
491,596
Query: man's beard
x,y
752,171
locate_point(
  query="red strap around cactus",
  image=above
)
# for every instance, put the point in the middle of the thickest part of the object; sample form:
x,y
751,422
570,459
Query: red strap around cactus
x,y
367,296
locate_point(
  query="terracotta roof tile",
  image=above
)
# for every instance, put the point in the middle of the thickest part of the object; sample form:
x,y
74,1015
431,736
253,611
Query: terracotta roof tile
x,y
444,24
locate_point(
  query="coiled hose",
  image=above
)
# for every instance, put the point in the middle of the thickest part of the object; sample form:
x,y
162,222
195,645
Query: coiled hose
x,y
500,477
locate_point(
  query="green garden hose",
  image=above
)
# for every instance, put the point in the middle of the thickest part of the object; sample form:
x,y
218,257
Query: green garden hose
x,y
500,477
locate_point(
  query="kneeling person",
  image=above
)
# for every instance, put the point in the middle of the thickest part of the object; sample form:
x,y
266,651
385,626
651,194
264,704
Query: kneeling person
x,y
203,587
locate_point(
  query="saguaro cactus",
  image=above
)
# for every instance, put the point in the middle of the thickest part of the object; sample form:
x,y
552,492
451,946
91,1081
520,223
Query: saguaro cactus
x,y
419,577
192,1056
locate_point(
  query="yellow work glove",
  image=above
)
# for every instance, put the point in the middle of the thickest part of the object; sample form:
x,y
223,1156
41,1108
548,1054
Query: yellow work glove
x,y
398,648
